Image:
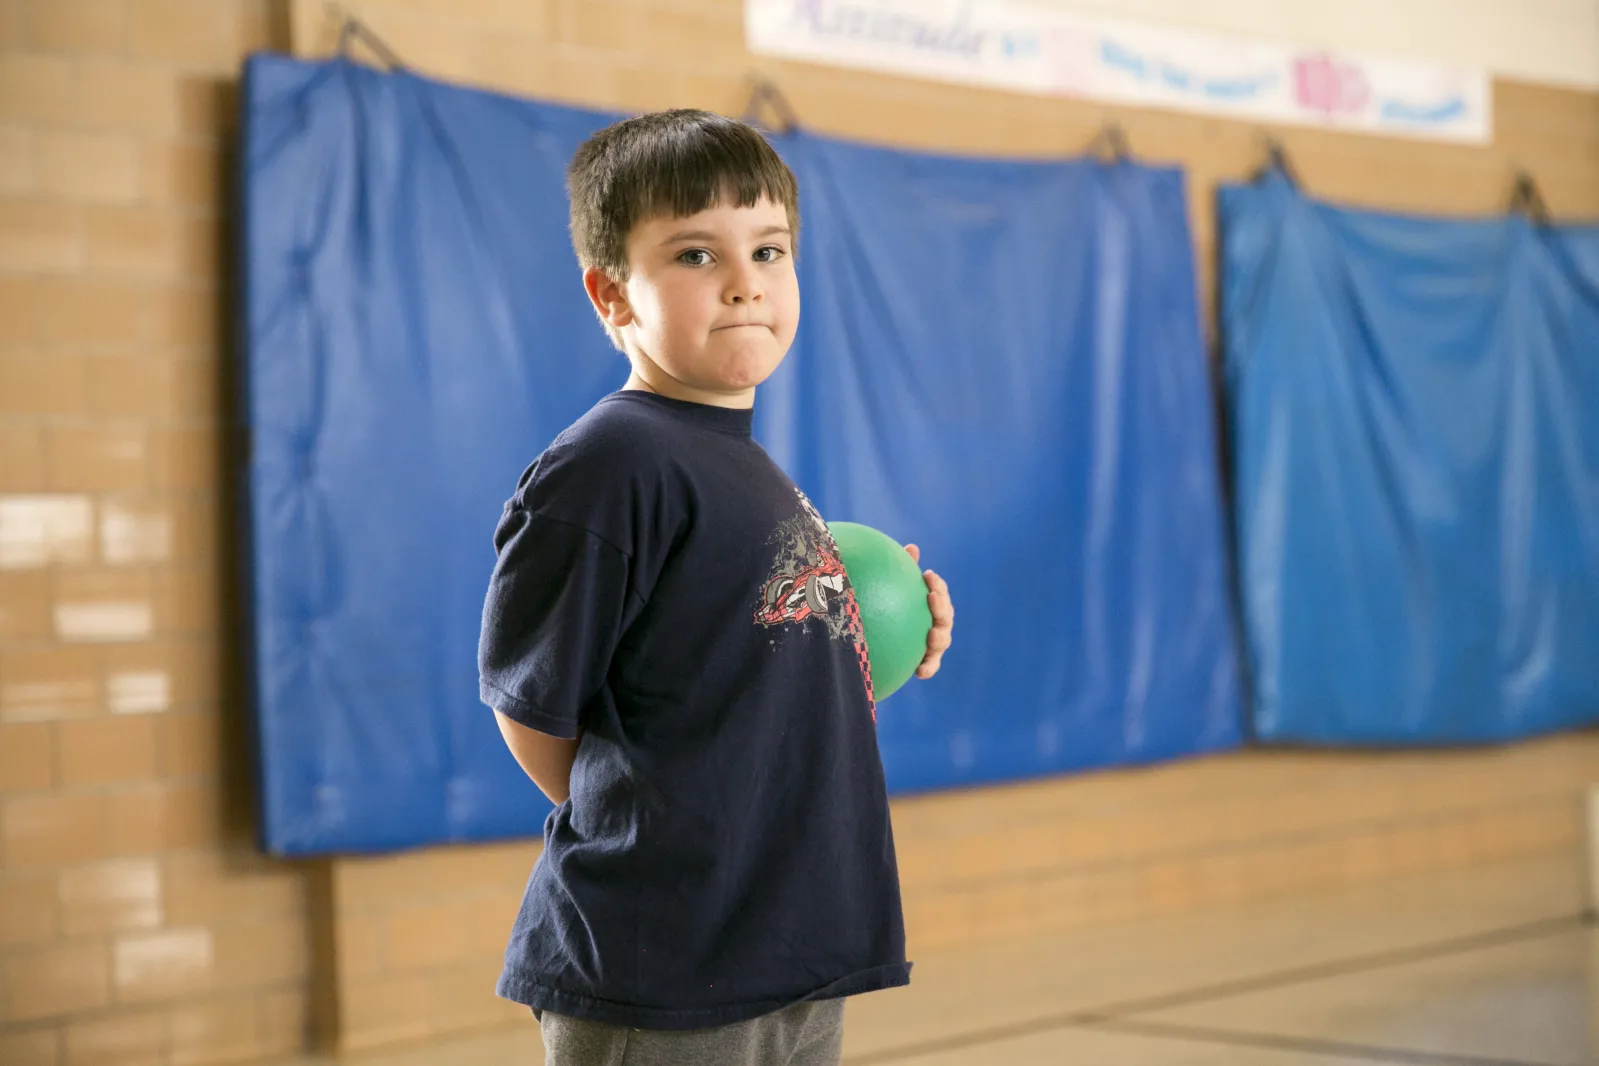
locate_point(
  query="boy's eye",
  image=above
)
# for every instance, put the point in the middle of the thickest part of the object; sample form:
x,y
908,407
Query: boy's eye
x,y
694,257
769,254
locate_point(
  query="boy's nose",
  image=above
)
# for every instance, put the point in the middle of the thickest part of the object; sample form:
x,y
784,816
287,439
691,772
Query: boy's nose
x,y
743,287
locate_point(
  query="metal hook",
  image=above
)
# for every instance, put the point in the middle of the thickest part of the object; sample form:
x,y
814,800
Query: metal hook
x,y
352,29
1526,199
1277,161
1110,144
765,92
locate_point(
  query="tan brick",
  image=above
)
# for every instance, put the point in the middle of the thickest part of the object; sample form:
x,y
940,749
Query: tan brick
x,y
21,460
459,996
77,27
21,320
135,530
601,25
518,16
111,897
725,95
192,815
184,458
108,606
27,756
144,678
193,34
190,316
384,1010
36,1046
97,458
190,743
475,871
38,684
137,822
162,965
715,39
124,1038
100,751
199,251
37,89
154,243
52,829
128,97
83,311
39,530
13,26
57,980
133,240
27,909
639,87
280,889
171,816
36,384
18,168
428,936
25,603
263,26
154,387
182,173
587,77
131,387
207,107
488,924
220,1031
445,46
375,882
513,62
284,1022
261,954
197,670
206,888
95,167
362,946
187,673
40,236
191,600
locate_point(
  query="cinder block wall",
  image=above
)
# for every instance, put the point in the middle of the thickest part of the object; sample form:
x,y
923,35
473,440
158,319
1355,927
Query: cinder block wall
x,y
136,923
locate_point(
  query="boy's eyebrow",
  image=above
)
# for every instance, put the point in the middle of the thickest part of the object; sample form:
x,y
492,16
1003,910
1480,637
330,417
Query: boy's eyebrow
x,y
706,235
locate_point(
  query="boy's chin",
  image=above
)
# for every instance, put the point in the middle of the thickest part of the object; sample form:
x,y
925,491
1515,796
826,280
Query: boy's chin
x,y
748,373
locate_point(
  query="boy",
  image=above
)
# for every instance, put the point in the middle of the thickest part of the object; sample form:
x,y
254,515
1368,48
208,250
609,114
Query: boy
x,y
669,648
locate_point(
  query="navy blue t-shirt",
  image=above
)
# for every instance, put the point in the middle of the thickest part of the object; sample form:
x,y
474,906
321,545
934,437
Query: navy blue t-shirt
x,y
665,590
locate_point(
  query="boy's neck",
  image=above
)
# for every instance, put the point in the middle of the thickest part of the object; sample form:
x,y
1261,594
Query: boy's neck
x,y
663,384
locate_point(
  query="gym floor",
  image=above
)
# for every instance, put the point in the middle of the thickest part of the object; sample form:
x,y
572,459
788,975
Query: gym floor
x,y
1481,967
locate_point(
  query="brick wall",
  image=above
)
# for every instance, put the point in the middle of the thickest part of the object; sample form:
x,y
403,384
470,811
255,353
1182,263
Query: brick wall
x,y
136,923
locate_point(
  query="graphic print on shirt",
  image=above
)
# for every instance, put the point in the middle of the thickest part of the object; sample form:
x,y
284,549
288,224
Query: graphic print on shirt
x,y
808,581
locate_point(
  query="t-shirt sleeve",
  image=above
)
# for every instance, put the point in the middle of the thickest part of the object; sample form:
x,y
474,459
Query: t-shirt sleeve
x,y
551,620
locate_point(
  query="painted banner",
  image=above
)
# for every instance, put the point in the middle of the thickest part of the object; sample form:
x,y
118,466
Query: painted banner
x,y
1011,45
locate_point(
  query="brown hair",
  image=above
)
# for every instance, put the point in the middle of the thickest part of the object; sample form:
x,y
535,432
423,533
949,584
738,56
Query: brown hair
x,y
671,163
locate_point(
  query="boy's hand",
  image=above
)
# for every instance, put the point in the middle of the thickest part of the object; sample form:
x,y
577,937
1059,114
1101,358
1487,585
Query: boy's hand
x,y
943,608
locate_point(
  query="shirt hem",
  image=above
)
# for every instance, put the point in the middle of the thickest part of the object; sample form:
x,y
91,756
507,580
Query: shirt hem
x,y
520,988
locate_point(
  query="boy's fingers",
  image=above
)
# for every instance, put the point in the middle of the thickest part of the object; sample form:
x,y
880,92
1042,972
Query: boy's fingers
x,y
938,601
915,552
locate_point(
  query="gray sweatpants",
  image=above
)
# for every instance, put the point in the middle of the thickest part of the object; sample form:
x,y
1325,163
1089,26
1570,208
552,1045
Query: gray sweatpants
x,y
806,1034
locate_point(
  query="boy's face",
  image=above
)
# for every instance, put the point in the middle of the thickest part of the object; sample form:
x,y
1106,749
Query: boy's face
x,y
711,302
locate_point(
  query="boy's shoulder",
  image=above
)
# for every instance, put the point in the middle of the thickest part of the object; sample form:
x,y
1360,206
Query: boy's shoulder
x,y
615,444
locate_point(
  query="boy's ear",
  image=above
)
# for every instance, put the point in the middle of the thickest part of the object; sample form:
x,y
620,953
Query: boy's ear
x,y
609,298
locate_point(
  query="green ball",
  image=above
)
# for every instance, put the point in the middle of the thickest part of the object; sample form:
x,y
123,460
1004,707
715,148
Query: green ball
x,y
893,600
